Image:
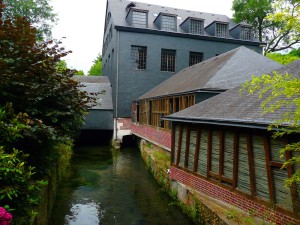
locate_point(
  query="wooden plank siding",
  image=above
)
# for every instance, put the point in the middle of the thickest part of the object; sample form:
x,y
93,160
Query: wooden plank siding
x,y
152,111
247,162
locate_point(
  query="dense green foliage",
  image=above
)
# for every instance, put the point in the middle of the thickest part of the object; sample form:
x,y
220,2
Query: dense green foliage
x,y
39,13
29,79
62,66
285,58
41,111
281,91
276,22
96,68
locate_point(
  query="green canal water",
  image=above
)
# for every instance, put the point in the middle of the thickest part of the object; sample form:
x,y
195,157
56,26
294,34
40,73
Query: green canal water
x,y
112,187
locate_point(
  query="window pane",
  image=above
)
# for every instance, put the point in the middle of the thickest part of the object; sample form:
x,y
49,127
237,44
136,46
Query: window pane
x,y
246,33
195,57
221,30
139,19
138,57
196,27
168,23
168,60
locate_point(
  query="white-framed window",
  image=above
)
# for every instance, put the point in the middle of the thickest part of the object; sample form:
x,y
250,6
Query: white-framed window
x,y
168,60
168,23
138,57
139,19
246,33
196,26
221,30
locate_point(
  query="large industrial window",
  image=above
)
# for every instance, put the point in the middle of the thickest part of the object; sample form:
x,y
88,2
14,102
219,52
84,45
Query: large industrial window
x,y
246,33
195,57
196,27
168,59
221,30
138,58
139,19
168,23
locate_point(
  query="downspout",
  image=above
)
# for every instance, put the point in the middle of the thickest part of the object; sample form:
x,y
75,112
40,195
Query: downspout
x,y
117,84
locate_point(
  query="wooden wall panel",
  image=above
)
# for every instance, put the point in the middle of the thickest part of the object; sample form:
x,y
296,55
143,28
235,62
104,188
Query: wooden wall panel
x,y
202,161
261,176
243,183
215,152
228,154
192,149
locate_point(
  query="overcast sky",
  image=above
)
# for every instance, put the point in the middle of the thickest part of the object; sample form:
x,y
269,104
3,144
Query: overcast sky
x,y
82,23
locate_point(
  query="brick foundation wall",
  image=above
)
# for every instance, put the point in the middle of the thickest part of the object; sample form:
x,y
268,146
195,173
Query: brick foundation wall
x,y
125,123
227,196
156,135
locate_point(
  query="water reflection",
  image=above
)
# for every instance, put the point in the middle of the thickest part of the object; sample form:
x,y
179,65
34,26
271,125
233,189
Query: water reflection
x,y
112,187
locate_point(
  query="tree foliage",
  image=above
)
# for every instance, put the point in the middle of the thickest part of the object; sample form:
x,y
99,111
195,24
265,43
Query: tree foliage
x,y
276,22
281,91
282,58
96,68
29,78
39,13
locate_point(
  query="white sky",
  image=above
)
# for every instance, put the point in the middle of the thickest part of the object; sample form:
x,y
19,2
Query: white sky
x,y
82,23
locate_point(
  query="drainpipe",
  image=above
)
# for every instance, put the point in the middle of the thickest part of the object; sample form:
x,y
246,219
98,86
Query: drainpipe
x,y
117,85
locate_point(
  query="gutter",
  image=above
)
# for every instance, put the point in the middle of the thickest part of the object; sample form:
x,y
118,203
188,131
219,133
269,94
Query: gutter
x,y
222,123
187,35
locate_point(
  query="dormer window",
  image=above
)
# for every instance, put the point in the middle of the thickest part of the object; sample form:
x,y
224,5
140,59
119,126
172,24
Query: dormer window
x,y
137,18
221,30
246,33
196,26
168,23
242,31
165,21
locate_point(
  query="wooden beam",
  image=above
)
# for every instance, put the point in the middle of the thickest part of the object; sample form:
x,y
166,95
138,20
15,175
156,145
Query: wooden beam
x,y
276,164
271,185
251,165
197,151
293,190
187,148
209,151
179,145
221,155
173,144
235,159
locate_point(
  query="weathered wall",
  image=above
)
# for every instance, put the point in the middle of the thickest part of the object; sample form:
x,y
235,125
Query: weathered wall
x,y
203,210
160,137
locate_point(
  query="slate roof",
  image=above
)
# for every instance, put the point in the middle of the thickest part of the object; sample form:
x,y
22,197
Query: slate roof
x,y
97,84
232,108
222,72
119,13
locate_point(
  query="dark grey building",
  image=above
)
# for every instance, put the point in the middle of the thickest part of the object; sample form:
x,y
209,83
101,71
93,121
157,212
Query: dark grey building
x,y
100,116
144,44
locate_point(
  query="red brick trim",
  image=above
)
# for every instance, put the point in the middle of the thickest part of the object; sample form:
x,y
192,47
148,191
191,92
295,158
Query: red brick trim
x,y
156,135
227,196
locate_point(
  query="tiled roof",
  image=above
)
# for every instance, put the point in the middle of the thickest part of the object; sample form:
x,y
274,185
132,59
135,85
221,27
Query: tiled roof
x,y
97,84
118,12
232,107
222,72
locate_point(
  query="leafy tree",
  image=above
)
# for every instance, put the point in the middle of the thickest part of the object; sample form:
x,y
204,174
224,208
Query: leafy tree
x,y
275,22
295,52
39,13
281,91
30,81
96,69
282,58
79,72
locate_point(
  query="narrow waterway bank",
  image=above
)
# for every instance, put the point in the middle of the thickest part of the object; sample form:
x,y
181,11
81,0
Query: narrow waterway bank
x,y
108,186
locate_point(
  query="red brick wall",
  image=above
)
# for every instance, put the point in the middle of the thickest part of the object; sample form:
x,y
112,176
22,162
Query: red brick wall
x,y
127,123
156,135
225,195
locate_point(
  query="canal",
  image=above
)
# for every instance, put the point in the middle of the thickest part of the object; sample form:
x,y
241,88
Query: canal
x,y
112,187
